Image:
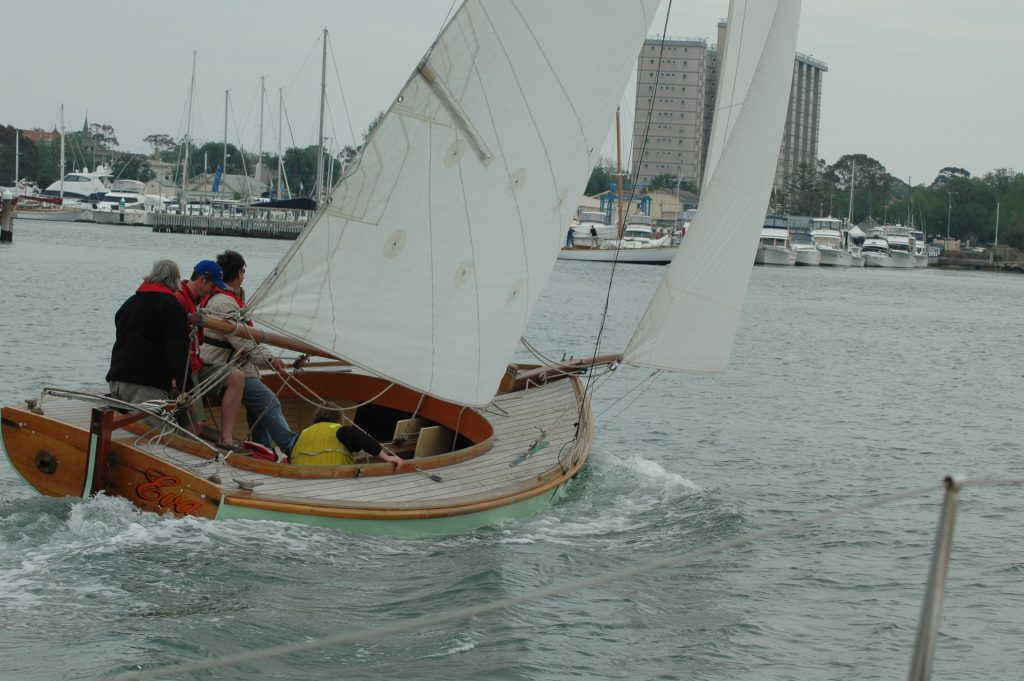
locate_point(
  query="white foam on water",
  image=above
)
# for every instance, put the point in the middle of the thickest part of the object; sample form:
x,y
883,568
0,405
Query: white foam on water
x,y
618,498
656,472
458,647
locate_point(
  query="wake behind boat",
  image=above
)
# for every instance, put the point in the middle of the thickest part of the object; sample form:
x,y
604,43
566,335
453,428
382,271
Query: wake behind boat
x,y
425,317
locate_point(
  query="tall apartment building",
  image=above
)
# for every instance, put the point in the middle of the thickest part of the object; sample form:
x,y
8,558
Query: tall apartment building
x,y
677,141
672,99
800,139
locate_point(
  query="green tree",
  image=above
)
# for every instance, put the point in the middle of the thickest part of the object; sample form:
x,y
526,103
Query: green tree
x,y
802,191
159,142
601,178
873,186
28,152
239,162
663,181
947,174
103,135
372,126
133,167
48,168
300,166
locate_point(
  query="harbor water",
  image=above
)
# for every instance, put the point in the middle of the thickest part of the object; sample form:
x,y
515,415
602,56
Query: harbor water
x,y
844,385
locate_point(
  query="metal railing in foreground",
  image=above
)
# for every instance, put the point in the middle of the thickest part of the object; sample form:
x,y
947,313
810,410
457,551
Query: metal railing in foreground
x,y
921,664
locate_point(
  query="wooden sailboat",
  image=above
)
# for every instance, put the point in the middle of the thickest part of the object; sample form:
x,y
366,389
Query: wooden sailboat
x,y
420,273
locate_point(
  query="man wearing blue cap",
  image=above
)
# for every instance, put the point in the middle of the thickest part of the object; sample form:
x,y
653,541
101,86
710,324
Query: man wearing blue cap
x,y
207,276
263,409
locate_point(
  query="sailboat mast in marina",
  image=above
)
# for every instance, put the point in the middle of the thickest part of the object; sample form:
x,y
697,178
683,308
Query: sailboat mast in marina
x,y
420,273
188,136
320,191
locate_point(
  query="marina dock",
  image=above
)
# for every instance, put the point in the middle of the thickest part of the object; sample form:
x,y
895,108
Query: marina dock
x,y
227,225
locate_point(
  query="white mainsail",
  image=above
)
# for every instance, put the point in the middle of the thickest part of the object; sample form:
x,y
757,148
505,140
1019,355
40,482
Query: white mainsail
x,y
690,322
426,263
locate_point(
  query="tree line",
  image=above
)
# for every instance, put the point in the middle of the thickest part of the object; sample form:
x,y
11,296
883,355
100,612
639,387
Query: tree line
x,y
956,202
39,161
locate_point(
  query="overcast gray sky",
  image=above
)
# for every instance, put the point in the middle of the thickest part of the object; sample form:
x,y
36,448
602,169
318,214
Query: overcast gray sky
x,y
916,84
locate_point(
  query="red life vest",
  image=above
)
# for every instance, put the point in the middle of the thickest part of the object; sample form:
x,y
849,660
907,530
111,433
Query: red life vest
x,y
185,298
152,287
231,294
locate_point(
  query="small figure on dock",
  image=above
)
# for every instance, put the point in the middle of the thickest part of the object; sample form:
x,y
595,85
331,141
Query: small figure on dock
x,y
327,442
263,409
150,353
570,237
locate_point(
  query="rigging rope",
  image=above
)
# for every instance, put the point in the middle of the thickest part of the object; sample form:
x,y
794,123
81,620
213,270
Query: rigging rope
x,y
622,218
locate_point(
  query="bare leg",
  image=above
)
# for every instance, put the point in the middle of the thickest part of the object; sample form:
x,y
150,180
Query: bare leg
x,y
230,405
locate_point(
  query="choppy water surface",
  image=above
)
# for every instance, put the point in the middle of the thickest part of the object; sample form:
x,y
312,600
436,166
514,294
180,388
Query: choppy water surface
x,y
843,385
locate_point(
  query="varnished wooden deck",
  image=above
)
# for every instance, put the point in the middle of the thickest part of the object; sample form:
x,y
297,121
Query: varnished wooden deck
x,y
517,419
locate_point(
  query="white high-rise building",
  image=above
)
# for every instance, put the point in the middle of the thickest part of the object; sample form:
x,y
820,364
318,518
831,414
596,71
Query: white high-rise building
x,y
680,109
672,99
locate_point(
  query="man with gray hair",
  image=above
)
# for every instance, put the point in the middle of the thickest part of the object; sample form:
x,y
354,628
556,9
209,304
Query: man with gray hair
x,y
150,354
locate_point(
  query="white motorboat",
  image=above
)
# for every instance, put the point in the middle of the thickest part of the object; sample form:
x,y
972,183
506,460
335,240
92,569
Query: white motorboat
x,y
876,252
828,239
78,190
774,248
592,228
901,249
901,245
127,203
83,186
806,252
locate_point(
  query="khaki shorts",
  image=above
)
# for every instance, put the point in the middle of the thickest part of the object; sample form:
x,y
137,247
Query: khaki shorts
x,y
136,394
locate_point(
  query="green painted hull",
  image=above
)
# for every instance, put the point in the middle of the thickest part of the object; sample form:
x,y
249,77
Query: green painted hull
x,y
399,528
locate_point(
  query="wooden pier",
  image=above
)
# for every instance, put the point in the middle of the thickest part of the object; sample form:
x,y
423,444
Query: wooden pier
x,y
227,225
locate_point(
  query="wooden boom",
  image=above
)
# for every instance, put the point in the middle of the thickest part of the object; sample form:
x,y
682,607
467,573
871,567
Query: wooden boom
x,y
261,336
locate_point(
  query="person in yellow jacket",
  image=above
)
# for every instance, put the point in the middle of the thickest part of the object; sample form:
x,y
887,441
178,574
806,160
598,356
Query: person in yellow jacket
x,y
328,443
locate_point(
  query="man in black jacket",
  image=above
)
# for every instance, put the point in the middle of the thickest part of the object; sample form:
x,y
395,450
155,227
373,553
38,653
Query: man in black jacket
x,y
150,355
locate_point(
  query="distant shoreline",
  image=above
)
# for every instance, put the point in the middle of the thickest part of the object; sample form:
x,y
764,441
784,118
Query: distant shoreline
x,y
977,264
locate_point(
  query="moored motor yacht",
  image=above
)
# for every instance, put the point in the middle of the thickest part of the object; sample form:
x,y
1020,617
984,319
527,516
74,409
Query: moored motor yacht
x,y
806,252
774,248
876,252
588,224
829,241
126,203
76,189
901,245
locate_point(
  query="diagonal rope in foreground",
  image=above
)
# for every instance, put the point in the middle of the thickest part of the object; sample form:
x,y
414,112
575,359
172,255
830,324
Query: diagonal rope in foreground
x,y
558,590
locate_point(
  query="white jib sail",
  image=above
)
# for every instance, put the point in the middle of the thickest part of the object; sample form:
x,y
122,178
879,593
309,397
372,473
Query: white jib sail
x,y
428,260
690,322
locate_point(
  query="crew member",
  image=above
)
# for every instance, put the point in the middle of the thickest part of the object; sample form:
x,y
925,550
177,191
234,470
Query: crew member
x,y
207,276
327,442
150,353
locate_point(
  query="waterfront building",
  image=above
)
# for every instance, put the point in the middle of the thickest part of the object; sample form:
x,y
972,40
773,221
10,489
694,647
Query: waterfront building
x,y
672,99
681,107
